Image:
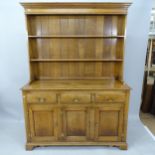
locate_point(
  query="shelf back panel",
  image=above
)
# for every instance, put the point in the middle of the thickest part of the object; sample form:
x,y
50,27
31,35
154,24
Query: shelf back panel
x,y
76,70
106,25
76,48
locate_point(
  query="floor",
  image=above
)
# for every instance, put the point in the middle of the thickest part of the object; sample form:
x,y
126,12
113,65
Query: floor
x,y
12,135
149,121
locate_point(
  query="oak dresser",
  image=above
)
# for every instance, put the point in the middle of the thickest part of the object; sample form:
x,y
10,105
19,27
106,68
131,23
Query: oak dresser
x,y
76,94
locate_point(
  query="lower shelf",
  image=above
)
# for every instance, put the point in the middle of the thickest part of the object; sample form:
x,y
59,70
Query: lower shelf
x,y
121,145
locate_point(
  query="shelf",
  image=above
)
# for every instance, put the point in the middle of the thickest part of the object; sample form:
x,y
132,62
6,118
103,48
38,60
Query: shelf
x,y
76,60
75,36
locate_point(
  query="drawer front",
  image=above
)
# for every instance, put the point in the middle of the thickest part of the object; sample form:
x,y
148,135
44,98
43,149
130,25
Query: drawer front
x,y
75,98
109,97
41,97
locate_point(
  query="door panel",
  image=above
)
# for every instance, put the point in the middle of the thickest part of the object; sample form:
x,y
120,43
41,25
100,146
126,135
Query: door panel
x,y
75,124
42,127
108,122
43,122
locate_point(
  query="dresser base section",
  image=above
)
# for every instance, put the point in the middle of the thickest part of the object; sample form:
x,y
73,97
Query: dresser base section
x,y
121,145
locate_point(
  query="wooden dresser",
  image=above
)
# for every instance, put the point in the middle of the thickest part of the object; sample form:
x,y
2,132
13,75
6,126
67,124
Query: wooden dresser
x,y
76,94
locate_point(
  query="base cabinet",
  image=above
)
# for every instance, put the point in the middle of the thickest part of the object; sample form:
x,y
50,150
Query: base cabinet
x,y
76,118
90,123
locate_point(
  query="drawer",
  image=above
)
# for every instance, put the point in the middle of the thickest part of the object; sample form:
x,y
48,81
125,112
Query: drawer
x,y
41,97
112,96
75,98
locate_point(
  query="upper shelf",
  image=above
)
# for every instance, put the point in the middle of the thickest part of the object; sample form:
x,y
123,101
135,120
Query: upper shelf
x,y
76,60
75,36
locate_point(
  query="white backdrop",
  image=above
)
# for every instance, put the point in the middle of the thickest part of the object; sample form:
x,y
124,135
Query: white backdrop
x,y
14,70
14,73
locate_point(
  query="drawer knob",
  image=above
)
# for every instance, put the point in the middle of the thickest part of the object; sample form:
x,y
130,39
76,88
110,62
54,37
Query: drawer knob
x,y
108,99
41,100
76,100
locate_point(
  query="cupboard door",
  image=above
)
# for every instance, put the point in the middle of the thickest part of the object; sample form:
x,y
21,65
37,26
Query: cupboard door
x,y
43,122
108,122
75,124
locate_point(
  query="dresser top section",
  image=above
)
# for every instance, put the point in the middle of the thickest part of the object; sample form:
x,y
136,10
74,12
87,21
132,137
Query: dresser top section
x,y
107,84
75,8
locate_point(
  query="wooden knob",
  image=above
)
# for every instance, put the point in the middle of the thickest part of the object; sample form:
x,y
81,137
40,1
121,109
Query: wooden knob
x,y
62,134
108,99
96,124
76,100
41,100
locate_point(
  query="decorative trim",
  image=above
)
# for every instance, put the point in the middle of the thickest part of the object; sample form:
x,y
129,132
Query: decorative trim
x,y
75,8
